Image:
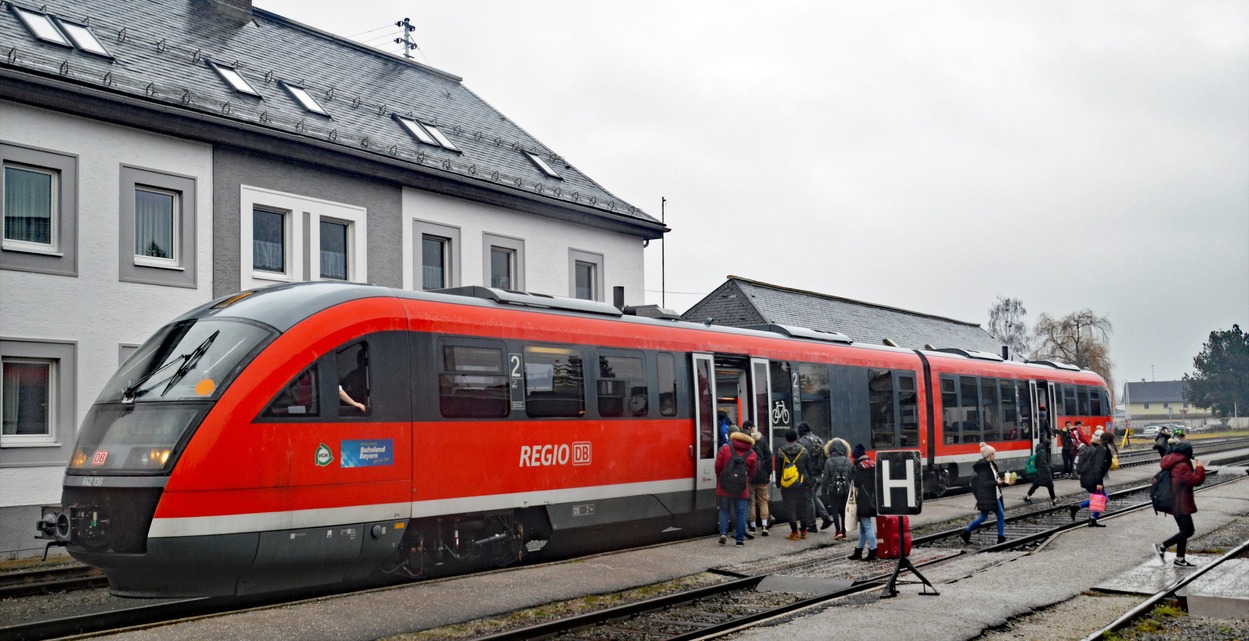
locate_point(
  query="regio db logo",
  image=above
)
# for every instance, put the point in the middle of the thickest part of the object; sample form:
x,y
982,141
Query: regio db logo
x,y
579,453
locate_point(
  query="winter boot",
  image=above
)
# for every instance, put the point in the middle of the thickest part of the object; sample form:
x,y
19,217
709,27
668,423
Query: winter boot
x,y
1073,509
1001,539
871,555
804,533
857,556
966,536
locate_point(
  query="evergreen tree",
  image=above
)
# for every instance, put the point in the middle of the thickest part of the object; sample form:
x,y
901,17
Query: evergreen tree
x,y
1221,379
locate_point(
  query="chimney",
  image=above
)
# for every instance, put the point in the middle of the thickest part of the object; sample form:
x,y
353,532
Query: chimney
x,y
239,11
1006,352
617,294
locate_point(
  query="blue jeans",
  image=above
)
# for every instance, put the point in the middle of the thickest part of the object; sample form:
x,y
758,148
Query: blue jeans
x,y
738,507
1085,502
1001,520
867,532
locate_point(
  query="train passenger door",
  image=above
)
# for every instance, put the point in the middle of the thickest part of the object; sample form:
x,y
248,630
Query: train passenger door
x,y
1043,414
703,451
761,393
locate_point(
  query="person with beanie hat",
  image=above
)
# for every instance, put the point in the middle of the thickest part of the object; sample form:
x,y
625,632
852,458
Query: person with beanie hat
x,y
1186,473
986,486
791,453
865,502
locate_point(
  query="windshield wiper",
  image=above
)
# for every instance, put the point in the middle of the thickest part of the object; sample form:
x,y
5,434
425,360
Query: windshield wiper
x,y
133,390
189,362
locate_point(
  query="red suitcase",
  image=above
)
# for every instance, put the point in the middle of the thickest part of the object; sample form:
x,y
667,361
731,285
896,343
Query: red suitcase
x,y
887,536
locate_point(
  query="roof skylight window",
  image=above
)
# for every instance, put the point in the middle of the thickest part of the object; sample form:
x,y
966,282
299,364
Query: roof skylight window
x,y
304,98
425,133
83,38
235,80
541,164
41,26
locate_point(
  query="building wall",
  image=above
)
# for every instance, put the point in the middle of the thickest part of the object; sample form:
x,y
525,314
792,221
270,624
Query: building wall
x,y
549,245
91,314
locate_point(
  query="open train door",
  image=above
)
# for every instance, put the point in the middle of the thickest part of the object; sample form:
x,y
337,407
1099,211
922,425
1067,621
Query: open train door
x,y
760,394
1043,415
703,451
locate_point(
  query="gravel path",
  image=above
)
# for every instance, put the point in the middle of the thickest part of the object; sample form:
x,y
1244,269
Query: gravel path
x,y
1078,617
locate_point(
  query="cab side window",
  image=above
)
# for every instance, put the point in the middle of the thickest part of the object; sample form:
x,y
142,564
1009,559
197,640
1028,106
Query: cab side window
x,y
298,398
353,380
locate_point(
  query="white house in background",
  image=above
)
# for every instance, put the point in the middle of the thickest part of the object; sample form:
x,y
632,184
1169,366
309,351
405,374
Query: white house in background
x,y
150,165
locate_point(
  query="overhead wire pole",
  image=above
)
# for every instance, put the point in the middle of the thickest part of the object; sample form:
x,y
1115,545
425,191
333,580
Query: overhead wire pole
x,y
663,272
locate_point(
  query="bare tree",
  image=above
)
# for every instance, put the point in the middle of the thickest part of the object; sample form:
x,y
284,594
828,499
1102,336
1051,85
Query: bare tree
x,y
1080,338
1006,324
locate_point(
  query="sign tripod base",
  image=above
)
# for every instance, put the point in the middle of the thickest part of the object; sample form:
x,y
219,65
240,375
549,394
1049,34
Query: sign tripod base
x,y
891,591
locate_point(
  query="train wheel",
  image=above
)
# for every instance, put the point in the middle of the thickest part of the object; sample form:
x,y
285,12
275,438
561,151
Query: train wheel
x,y
938,483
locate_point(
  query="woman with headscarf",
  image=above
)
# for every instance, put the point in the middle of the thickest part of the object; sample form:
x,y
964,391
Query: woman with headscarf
x,y
986,486
1186,473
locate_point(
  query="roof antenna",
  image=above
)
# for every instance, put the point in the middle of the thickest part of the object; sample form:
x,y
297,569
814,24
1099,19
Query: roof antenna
x,y
406,40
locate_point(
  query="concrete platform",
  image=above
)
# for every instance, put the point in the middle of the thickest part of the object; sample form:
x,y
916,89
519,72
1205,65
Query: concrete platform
x,y
977,591
1221,593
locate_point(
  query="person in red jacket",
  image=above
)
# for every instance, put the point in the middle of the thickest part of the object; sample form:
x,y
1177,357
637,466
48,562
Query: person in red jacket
x,y
1186,473
741,444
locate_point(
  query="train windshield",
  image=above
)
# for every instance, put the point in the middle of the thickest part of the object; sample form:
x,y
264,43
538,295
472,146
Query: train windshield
x,y
189,360
139,437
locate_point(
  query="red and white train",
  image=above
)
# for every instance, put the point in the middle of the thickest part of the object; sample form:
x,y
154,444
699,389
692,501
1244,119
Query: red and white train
x,y
325,433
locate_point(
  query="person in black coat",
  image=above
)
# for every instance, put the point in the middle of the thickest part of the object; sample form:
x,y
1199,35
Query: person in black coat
x,y
987,488
865,502
1044,476
1094,464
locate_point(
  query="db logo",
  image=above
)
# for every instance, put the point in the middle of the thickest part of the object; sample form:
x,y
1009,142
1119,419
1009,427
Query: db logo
x,y
99,457
581,453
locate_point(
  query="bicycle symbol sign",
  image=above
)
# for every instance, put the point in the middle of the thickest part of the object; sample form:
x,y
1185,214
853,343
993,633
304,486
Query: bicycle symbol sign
x,y
780,413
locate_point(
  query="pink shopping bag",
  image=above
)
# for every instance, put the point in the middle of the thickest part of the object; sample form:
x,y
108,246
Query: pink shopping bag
x,y
1097,502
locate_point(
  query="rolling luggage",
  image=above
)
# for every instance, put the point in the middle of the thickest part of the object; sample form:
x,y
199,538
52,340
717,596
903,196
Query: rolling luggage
x,y
887,536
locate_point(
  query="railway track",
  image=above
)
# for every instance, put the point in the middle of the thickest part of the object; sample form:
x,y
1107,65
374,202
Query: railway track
x,y
46,581
740,603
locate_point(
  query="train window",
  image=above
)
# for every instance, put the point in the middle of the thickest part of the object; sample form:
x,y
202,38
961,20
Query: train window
x,y
1097,402
950,415
622,389
816,401
990,410
1070,408
908,408
969,410
780,412
880,399
706,407
667,366
1010,409
554,382
472,383
353,380
1025,409
298,398
1082,396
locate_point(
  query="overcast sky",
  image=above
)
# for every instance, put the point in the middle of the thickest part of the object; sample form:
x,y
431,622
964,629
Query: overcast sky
x,y
923,155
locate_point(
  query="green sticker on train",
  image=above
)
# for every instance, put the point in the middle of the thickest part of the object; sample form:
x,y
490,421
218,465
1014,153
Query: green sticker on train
x,y
324,455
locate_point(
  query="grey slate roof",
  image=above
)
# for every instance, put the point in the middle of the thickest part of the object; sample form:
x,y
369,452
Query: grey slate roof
x,y
740,302
161,51
1156,392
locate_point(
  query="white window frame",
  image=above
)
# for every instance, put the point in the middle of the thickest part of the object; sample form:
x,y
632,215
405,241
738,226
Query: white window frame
x,y
60,357
302,228
543,166
517,248
232,77
596,260
304,98
414,277
41,26
287,271
62,256
83,38
175,225
54,238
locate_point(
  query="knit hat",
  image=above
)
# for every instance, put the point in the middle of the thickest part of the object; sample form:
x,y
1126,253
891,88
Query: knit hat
x,y
1097,436
859,450
986,450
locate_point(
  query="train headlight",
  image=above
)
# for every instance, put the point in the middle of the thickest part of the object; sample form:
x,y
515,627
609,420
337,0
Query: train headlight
x,y
156,457
79,459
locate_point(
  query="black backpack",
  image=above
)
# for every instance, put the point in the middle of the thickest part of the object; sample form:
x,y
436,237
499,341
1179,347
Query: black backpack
x,y
763,467
1162,493
815,449
734,477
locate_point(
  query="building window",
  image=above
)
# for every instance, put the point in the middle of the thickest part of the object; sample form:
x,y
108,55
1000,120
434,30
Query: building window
x,y
36,392
435,260
504,262
40,217
291,238
269,241
334,249
586,275
155,226
235,79
41,26
435,256
542,165
304,98
27,398
157,229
